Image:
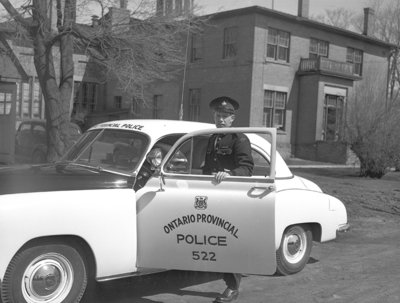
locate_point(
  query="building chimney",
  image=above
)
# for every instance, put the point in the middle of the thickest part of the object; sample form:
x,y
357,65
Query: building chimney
x,y
369,21
119,19
304,8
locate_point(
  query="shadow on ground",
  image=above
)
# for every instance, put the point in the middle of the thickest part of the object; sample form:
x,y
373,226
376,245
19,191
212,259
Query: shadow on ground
x,y
137,288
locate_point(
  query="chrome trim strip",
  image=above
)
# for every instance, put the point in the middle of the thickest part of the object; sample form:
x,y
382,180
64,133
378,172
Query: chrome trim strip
x,y
140,272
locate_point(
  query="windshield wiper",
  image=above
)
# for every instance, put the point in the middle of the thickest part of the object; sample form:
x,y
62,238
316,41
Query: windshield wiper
x,y
63,165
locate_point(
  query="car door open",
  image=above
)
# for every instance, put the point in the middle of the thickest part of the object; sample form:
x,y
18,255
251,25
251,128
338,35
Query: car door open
x,y
188,222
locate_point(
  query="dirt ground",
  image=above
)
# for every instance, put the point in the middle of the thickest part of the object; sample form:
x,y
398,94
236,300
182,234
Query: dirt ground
x,y
361,266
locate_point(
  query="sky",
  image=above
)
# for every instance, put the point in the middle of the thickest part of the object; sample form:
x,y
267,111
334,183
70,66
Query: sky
x,y
287,6
203,7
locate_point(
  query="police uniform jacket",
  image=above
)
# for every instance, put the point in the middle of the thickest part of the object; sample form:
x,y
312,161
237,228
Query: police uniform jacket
x,y
230,153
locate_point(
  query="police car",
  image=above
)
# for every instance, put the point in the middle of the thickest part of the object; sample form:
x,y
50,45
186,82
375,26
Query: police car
x,y
130,198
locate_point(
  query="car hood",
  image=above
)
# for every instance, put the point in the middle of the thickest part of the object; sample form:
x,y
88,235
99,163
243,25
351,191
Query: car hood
x,y
57,177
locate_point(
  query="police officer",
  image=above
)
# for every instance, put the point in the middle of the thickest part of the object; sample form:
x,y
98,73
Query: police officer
x,y
227,155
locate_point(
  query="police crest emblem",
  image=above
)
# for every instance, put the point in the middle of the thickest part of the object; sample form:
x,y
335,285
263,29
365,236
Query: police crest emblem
x,y
200,203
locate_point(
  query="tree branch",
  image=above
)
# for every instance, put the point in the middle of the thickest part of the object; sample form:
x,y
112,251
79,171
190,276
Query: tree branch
x,y
17,16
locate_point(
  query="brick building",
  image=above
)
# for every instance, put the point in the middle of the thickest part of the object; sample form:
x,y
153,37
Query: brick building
x,y
287,71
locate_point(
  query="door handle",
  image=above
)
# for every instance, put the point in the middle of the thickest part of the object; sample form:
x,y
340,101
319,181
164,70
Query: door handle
x,y
260,192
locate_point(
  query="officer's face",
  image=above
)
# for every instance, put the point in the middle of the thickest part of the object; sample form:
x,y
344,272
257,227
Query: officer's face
x,y
222,119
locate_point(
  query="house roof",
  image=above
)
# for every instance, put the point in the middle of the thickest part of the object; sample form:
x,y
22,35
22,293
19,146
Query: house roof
x,y
13,57
299,20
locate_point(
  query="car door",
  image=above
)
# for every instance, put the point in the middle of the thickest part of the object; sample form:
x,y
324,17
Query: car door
x,y
188,222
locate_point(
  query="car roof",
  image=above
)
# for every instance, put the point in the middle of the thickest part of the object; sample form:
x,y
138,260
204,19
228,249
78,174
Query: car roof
x,y
155,128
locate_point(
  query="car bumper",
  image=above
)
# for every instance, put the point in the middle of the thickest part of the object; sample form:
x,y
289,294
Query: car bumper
x,y
343,228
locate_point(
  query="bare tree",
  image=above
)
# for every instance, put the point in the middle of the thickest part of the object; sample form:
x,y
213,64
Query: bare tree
x,y
339,17
137,49
386,28
372,128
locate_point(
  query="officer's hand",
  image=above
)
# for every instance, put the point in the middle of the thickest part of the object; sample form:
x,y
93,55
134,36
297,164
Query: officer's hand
x,y
221,175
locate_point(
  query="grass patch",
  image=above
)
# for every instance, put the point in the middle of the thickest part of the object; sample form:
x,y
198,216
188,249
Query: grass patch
x,y
362,196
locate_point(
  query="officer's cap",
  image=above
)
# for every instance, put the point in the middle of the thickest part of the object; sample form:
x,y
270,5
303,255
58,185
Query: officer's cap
x,y
224,104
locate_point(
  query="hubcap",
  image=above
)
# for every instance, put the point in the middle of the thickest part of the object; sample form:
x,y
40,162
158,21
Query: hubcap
x,y
295,244
48,278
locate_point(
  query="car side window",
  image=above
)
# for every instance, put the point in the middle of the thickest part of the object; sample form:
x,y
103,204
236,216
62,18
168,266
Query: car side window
x,y
39,131
39,128
189,157
24,127
261,164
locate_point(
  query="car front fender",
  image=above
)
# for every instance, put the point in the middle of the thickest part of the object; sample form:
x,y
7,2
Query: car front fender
x,y
105,219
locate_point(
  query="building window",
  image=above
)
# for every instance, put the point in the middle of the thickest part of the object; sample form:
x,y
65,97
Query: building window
x,y
230,43
29,99
355,56
118,102
26,97
278,44
196,52
89,96
160,7
136,105
85,97
188,4
37,101
5,103
332,118
178,7
318,48
274,109
77,104
157,106
194,104
18,100
168,7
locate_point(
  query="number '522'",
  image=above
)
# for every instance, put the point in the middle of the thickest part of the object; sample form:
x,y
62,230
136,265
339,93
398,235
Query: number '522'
x,y
203,255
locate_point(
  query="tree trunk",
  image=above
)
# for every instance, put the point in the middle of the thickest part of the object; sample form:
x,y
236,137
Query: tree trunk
x,y
57,111
57,97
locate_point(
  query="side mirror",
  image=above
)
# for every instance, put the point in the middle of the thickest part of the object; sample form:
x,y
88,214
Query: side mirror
x,y
178,163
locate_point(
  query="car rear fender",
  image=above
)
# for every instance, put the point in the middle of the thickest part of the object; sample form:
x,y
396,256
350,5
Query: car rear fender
x,y
299,206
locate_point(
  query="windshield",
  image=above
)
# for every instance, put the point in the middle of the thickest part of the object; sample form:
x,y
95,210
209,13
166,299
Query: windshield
x,y
109,149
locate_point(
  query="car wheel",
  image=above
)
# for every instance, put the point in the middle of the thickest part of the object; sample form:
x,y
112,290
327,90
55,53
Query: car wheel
x,y
38,157
46,273
295,249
